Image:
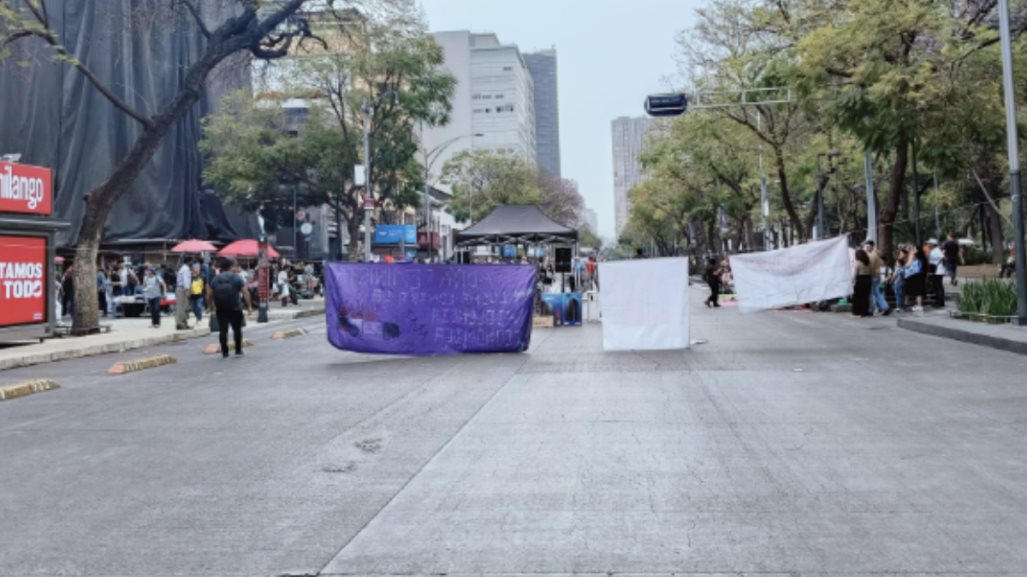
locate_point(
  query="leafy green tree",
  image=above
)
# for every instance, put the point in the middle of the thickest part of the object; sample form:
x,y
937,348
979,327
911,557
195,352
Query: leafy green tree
x,y
389,60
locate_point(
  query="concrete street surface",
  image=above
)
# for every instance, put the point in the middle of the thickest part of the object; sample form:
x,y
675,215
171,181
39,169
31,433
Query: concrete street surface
x,y
790,443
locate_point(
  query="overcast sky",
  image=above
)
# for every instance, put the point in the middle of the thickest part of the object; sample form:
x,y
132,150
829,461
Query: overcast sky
x,y
611,53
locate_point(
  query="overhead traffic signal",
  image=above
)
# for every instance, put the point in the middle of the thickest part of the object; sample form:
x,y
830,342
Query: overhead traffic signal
x,y
666,104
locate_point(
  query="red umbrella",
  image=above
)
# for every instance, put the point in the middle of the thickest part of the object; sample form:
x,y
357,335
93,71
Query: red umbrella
x,y
194,246
246,247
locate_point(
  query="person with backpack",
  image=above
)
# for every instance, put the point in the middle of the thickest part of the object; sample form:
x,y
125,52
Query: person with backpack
x,y
712,277
227,292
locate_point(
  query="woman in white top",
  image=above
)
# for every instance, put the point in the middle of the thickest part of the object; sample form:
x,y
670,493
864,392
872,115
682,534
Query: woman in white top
x,y
283,286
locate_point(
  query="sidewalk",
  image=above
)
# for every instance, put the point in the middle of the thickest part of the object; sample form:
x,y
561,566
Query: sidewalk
x,y
1003,337
133,333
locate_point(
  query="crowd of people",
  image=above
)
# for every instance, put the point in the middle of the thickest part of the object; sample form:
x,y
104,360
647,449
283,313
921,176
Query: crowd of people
x,y
915,276
122,284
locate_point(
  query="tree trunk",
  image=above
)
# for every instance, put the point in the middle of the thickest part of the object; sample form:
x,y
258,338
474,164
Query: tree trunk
x,y
354,223
886,217
997,237
786,197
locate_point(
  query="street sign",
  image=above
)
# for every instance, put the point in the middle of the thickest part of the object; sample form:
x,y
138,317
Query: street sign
x,y
306,228
369,203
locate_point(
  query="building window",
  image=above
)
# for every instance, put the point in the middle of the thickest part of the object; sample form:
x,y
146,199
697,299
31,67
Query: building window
x,y
507,68
500,97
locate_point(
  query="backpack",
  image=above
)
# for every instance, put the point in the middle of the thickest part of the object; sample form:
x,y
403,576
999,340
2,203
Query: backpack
x,y
226,297
197,287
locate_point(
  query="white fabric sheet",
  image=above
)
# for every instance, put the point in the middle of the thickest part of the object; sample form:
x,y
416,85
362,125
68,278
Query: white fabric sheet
x,y
801,274
645,304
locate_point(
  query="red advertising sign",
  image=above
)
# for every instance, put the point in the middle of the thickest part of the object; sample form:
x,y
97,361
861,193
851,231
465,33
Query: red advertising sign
x,y
23,278
422,239
25,189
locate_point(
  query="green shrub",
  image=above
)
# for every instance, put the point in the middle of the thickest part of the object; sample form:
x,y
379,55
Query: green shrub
x,y
975,256
995,297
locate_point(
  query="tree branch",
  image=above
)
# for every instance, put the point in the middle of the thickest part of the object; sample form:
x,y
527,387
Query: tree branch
x,y
197,17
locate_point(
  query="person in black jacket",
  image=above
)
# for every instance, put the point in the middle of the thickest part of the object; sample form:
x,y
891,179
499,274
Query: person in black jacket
x,y
712,277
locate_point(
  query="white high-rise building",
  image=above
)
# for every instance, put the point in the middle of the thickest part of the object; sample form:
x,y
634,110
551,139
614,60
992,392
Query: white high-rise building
x,y
493,104
628,141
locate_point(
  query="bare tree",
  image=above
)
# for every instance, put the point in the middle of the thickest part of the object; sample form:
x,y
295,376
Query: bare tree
x,y
265,30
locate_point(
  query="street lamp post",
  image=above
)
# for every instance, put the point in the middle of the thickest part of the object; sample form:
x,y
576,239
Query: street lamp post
x,y
1014,162
429,161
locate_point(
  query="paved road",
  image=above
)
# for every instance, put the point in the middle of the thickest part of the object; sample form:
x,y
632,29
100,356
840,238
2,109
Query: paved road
x,y
789,444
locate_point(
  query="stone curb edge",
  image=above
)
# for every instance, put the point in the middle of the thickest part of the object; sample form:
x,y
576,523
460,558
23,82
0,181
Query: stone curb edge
x,y
26,388
101,349
964,336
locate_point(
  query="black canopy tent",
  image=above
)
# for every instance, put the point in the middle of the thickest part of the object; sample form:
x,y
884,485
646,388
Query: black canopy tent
x,y
525,224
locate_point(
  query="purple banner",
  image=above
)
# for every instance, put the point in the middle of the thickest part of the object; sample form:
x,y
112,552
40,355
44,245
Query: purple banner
x,y
424,310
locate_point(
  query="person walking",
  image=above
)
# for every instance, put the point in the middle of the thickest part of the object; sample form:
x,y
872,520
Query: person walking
x,y
68,291
953,255
101,290
183,281
153,291
861,290
712,277
227,292
877,300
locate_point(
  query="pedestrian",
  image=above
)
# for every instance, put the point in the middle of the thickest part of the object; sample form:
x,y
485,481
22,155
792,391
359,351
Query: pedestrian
x,y
861,291
936,272
68,291
227,292
101,290
916,278
183,282
197,288
282,286
953,254
117,280
712,277
898,278
1009,267
877,300
153,291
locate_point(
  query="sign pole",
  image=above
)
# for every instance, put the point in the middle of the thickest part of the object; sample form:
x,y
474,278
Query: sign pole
x,y
262,278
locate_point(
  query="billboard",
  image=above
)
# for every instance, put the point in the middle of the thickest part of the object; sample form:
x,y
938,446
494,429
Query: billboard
x,y
25,189
23,280
393,234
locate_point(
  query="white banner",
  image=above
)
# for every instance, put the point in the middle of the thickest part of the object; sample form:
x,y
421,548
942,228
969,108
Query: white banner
x,y
801,274
645,304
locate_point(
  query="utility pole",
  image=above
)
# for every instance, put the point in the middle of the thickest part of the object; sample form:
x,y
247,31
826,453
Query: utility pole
x,y
916,200
1014,161
868,172
368,195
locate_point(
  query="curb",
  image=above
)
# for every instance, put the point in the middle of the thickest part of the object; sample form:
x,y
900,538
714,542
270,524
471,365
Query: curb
x,y
102,349
999,343
288,334
215,348
141,364
26,388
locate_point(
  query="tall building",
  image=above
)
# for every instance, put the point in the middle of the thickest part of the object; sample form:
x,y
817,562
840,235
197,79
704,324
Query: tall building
x,y
628,140
542,66
493,104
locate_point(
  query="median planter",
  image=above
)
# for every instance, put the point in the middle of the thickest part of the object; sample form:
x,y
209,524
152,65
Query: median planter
x,y
991,301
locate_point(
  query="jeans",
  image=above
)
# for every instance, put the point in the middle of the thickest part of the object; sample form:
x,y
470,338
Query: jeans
x,y
897,287
938,286
950,268
196,303
233,319
182,308
154,305
877,300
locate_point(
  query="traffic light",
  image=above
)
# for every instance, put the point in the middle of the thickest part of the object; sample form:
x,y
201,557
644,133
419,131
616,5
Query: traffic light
x,y
666,104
